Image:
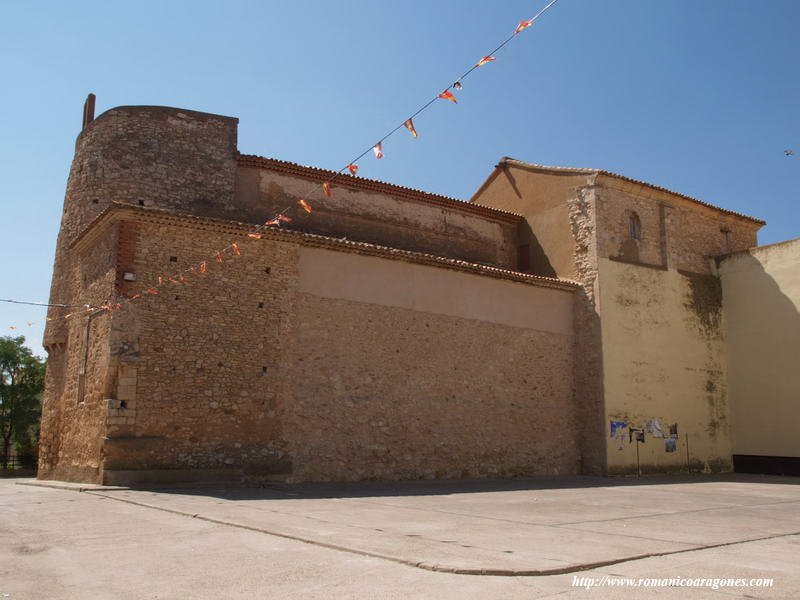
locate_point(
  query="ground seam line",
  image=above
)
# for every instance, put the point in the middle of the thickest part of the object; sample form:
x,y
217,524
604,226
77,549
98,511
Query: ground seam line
x,y
437,568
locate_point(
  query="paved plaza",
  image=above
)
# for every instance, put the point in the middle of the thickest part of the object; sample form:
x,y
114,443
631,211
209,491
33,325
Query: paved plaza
x,y
523,538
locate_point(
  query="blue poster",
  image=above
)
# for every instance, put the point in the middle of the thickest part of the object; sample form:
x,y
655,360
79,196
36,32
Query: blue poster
x,y
617,427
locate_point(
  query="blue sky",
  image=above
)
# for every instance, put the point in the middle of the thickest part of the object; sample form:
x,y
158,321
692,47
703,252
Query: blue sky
x,y
699,96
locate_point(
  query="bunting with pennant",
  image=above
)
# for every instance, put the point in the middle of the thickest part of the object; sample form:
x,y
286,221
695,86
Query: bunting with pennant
x,y
523,25
327,188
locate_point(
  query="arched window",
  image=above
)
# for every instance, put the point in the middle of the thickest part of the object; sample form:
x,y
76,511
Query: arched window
x,y
635,226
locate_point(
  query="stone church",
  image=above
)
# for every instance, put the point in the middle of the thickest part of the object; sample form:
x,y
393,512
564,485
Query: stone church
x,y
563,321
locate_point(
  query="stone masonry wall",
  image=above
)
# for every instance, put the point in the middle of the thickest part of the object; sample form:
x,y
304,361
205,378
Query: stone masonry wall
x,y
676,233
209,374
561,211
589,391
386,393
199,361
144,156
73,411
237,370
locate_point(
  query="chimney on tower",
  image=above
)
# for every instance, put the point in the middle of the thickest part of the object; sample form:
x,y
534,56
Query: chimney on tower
x,y
88,111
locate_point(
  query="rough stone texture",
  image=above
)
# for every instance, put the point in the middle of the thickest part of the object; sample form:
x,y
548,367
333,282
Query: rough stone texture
x,y
589,367
384,392
225,374
157,156
408,358
73,412
561,213
339,402
676,233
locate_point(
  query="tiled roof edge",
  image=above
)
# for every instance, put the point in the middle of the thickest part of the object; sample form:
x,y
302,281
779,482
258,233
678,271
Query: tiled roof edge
x,y
341,245
580,171
373,185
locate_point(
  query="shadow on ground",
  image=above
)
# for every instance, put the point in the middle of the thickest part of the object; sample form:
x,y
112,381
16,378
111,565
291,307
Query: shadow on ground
x,y
377,489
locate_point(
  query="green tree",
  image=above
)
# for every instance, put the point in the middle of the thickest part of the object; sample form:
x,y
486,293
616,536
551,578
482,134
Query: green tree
x,y
21,385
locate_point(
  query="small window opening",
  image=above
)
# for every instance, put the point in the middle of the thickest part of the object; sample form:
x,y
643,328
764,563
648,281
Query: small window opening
x,y
263,370
260,305
267,270
141,202
173,259
635,227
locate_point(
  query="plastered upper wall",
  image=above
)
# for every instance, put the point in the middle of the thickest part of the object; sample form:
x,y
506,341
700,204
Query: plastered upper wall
x,y
761,291
664,358
403,285
543,199
664,354
380,218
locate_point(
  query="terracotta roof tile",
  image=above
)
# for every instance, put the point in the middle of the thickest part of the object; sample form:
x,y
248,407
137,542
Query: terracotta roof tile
x,y
321,241
373,185
519,163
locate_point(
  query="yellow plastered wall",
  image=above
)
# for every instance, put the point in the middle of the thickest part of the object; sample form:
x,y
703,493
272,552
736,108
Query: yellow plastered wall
x,y
664,359
761,316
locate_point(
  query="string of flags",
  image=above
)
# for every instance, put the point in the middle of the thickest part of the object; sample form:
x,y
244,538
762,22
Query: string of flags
x,y
446,94
282,217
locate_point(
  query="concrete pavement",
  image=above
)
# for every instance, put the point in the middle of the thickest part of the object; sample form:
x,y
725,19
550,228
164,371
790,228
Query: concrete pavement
x,y
374,540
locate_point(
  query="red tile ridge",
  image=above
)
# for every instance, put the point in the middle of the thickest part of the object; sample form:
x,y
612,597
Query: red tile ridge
x,y
373,185
339,244
538,167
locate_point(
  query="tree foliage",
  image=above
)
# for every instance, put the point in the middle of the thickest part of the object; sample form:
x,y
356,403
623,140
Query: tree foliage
x,y
21,386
